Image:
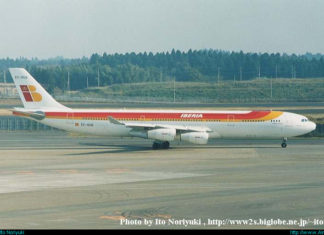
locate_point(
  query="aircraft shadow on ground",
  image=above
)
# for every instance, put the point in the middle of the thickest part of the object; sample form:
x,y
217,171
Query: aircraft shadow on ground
x,y
111,148
123,148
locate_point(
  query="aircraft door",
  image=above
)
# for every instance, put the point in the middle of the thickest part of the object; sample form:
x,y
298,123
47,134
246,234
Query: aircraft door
x,y
142,118
70,118
230,120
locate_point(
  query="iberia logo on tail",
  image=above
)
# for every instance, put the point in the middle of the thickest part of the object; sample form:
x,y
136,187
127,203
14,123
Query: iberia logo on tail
x,y
30,94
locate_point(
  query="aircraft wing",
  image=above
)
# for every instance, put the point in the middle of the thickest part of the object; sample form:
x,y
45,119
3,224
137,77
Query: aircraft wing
x,y
146,126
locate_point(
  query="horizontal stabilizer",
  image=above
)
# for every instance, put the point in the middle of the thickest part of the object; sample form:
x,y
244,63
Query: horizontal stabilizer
x,y
38,115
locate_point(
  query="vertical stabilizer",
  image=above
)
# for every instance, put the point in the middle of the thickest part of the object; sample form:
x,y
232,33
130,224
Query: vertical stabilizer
x,y
31,93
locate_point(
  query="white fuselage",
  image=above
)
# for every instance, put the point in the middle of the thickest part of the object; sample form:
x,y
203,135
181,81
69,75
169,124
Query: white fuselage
x,y
279,125
162,126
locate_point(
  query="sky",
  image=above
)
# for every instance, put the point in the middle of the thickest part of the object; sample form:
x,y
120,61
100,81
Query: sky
x,y
77,28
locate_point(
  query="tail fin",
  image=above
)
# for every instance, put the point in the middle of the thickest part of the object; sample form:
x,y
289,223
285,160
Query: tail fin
x,y
31,93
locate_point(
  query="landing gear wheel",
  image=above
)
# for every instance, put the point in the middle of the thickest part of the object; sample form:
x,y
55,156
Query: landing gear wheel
x,y
284,145
165,145
159,145
155,146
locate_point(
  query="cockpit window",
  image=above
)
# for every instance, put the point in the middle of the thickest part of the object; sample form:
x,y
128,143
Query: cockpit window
x,y
304,120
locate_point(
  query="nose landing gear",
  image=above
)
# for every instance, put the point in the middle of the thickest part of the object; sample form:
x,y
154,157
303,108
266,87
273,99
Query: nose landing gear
x,y
284,143
160,145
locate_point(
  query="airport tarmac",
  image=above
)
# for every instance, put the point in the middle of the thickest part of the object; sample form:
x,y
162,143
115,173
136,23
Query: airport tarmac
x,y
53,180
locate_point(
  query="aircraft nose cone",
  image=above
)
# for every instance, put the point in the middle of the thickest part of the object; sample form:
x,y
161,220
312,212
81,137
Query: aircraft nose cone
x,y
312,126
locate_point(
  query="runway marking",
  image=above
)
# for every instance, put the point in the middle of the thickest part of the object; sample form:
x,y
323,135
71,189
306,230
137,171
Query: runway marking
x,y
117,171
25,173
18,182
113,217
160,216
67,171
120,217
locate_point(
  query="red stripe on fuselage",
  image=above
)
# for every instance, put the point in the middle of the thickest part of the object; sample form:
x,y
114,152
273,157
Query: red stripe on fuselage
x,y
157,115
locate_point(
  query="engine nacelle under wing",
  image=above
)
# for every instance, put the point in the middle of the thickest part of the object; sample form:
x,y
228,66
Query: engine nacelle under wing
x,y
195,137
163,134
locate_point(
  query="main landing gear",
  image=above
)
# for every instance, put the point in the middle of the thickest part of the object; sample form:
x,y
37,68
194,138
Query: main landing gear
x,y
160,145
284,143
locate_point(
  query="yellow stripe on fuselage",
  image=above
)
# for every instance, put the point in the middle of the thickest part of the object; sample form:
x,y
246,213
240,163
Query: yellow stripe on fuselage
x,y
271,115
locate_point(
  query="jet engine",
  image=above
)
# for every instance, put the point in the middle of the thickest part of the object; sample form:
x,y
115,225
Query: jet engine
x,y
195,137
163,134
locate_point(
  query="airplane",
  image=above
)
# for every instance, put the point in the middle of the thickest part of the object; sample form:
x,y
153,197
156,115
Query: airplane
x,y
161,126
